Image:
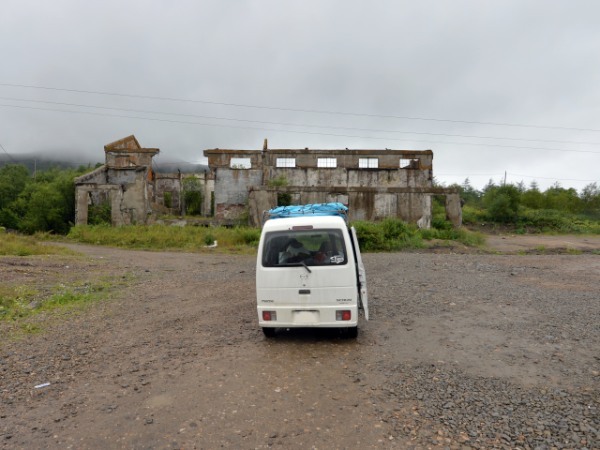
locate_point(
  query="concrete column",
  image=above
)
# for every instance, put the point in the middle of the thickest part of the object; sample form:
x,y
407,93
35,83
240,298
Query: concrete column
x,y
81,206
115,207
454,209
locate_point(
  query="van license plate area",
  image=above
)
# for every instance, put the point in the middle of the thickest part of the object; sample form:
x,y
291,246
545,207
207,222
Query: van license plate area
x,y
305,316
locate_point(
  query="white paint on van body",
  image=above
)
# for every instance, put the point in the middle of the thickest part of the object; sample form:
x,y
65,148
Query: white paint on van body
x,y
308,296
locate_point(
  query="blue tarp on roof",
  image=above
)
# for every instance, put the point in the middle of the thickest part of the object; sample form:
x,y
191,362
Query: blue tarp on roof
x,y
314,209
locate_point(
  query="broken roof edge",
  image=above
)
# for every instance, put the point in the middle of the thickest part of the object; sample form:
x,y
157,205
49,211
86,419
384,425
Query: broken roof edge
x,y
130,150
218,151
121,144
87,176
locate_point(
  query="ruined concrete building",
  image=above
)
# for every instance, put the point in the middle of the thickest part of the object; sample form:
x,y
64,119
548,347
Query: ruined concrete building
x,y
130,188
375,184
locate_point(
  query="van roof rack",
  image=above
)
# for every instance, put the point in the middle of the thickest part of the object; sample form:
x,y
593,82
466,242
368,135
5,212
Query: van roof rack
x,y
312,209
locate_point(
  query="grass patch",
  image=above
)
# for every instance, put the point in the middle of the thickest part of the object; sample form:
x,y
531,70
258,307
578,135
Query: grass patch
x,y
15,301
387,235
166,237
22,301
553,221
462,235
18,245
26,310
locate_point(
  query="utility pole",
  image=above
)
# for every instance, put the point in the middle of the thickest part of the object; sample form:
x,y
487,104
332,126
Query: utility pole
x,y
504,178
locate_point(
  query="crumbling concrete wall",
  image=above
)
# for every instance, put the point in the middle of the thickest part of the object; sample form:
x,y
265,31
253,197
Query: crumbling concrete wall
x,y
126,180
371,204
374,183
231,191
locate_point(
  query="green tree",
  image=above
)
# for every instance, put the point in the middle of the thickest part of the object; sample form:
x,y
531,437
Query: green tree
x,y
469,194
502,203
590,199
48,204
533,198
561,199
13,179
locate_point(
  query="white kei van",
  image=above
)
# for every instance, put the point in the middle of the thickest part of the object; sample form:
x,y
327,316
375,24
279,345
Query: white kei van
x,y
309,271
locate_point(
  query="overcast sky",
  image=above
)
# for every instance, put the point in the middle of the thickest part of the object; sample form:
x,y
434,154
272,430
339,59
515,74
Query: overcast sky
x,y
491,86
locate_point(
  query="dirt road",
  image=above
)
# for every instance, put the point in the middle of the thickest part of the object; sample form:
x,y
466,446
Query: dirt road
x,y
462,351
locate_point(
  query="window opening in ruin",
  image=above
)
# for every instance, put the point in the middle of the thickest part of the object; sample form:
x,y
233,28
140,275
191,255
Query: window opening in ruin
x,y
368,163
286,162
284,199
327,163
409,163
240,163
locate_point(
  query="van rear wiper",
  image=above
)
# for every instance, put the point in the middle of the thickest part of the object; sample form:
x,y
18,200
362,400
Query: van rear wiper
x,y
305,266
297,264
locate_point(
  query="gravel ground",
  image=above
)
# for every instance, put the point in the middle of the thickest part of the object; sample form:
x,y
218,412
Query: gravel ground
x,y
462,351
508,355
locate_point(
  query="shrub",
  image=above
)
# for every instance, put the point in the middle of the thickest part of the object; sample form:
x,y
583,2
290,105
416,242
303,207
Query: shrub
x,y
472,215
209,239
168,199
193,203
502,203
388,235
370,236
440,223
100,214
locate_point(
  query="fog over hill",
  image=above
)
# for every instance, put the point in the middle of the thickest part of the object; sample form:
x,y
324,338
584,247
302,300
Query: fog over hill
x,y
62,160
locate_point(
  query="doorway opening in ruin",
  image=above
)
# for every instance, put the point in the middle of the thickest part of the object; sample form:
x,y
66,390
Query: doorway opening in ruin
x,y
100,213
439,216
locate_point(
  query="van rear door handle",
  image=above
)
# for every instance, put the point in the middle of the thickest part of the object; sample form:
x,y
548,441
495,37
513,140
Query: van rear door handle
x,y
304,291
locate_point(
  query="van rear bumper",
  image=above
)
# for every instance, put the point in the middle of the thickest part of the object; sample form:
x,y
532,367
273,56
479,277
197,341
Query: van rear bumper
x,y
317,317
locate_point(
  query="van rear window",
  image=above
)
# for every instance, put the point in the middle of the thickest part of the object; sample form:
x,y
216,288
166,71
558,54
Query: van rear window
x,y
307,247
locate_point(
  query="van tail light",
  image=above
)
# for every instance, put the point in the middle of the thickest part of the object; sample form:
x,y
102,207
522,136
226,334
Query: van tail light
x,y
269,316
343,314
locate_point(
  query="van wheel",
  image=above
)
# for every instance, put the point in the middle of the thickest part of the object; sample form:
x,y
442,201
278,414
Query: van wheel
x,y
269,332
352,333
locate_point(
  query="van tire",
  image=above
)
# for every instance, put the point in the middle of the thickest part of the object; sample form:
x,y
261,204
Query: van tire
x,y
269,332
352,332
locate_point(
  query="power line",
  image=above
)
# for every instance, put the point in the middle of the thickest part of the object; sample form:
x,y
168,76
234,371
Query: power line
x,y
549,178
311,111
297,131
296,124
7,154
511,174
